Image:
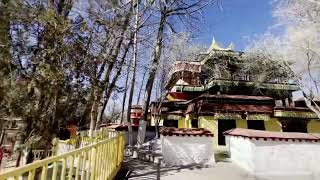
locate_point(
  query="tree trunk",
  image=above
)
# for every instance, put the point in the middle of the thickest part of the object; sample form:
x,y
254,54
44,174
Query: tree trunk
x,y
315,109
125,92
85,116
133,79
113,59
20,138
157,126
112,85
144,75
93,112
101,109
154,66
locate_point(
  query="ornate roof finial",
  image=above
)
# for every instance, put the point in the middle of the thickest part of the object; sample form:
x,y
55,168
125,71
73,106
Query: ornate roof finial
x,y
215,46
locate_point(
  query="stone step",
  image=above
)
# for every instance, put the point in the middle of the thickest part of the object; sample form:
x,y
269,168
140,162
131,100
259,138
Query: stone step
x,y
150,157
145,155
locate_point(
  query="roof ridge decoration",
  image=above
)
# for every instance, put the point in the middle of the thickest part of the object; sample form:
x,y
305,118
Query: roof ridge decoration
x,y
215,47
181,82
170,131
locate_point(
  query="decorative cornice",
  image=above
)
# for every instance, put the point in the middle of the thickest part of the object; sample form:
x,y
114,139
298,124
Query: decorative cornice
x,y
295,114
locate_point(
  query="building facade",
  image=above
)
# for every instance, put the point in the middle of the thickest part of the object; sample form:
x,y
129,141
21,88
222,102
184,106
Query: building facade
x,y
213,92
136,114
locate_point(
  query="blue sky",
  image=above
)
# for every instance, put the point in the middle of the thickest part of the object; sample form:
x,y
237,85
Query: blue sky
x,y
237,20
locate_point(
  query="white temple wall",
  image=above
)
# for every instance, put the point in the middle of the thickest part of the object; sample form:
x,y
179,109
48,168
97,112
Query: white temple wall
x,y
241,151
187,150
276,159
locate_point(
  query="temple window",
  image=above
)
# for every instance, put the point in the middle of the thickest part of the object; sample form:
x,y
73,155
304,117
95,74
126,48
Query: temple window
x,y
256,124
278,103
170,123
194,123
294,125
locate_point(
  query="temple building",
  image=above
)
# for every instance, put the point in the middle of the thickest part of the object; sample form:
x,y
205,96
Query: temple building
x,y
213,92
136,114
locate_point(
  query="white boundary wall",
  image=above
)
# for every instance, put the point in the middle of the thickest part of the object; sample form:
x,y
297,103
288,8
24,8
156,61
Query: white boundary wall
x,y
276,159
187,150
241,151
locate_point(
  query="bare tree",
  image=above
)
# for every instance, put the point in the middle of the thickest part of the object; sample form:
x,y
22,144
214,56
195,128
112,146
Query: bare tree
x,y
125,91
134,65
113,113
112,85
298,47
117,33
141,86
181,9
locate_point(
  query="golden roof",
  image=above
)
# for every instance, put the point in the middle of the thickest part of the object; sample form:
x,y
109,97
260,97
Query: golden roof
x,y
215,47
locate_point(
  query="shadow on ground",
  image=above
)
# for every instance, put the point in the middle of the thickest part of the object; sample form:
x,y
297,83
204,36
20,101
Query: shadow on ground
x,y
222,156
135,169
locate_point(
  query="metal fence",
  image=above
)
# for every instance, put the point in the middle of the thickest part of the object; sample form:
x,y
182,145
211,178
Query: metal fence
x,y
98,160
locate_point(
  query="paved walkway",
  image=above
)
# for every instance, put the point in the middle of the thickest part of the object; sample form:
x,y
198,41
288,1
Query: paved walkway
x,y
221,171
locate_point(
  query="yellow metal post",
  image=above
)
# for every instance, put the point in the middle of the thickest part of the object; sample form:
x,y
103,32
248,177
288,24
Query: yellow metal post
x,y
79,159
31,174
55,171
71,168
93,167
44,173
84,162
64,169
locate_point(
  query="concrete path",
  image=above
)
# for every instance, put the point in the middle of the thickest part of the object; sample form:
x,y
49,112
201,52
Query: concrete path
x,y
221,171
145,170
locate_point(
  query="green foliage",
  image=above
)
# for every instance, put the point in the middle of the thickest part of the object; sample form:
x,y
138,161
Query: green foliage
x,y
51,62
259,67
220,64
41,79
267,69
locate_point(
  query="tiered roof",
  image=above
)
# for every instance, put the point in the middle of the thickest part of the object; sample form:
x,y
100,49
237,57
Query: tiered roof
x,y
193,89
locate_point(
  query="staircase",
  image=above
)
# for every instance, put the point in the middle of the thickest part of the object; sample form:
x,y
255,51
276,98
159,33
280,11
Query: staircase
x,y
149,152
